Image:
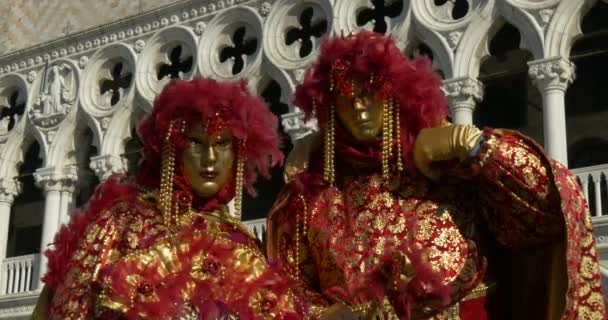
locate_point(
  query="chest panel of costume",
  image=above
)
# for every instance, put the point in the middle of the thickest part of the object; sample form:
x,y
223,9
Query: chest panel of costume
x,y
354,231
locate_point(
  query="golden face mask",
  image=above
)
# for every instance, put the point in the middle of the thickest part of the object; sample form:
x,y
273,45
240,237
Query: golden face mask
x,y
361,115
208,161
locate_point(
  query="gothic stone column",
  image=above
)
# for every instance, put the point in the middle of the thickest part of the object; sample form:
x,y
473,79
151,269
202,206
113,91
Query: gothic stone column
x,y
463,93
9,188
552,77
58,186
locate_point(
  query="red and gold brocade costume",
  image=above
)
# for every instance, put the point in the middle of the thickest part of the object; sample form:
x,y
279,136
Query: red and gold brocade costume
x,y
484,244
158,247
129,265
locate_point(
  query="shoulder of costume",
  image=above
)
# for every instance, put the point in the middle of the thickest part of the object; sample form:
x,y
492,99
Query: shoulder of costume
x,y
109,199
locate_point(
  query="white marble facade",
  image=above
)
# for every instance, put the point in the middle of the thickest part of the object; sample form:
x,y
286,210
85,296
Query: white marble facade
x,y
104,79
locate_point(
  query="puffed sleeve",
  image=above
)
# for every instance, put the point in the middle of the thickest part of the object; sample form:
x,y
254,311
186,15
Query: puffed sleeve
x,y
74,294
519,191
529,199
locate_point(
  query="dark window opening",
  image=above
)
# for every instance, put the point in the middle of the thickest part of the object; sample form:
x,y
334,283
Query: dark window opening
x,y
177,65
87,179
459,10
241,47
258,207
586,101
11,111
306,31
117,84
133,147
27,212
377,14
510,99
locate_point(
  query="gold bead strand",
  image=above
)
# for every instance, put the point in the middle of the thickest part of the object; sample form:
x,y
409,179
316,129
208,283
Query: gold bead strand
x,y
329,174
386,138
333,141
238,188
176,210
300,237
166,180
396,107
297,262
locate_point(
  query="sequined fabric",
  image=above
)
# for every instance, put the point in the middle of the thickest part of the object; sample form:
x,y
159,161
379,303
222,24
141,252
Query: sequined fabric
x,y
129,266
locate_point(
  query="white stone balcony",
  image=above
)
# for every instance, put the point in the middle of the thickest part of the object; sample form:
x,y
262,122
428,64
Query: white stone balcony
x,y
17,274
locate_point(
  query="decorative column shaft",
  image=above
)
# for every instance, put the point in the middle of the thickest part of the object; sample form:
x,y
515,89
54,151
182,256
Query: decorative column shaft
x,y
9,188
552,77
58,186
463,93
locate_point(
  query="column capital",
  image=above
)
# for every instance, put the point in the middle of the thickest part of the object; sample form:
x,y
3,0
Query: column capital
x,y
552,73
106,165
463,91
57,179
296,126
9,189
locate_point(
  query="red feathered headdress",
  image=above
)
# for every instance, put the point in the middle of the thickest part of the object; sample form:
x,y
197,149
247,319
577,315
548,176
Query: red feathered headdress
x,y
225,104
413,85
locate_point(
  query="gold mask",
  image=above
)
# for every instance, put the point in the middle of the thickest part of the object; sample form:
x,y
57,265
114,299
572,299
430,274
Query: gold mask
x,y
208,161
361,115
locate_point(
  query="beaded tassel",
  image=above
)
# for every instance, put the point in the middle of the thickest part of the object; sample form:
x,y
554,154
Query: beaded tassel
x,y
167,173
396,107
300,236
387,137
238,188
329,170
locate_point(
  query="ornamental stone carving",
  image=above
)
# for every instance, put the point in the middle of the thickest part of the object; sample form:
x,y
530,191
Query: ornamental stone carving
x,y
9,189
106,165
56,96
31,76
199,28
295,125
463,92
551,74
139,45
57,179
265,8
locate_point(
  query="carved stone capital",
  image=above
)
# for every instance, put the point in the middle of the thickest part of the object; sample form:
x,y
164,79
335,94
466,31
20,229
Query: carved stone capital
x,y
463,92
9,189
551,74
57,179
107,165
296,126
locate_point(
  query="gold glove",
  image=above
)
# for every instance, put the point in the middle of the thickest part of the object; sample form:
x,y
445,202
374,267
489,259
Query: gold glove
x,y
339,311
42,305
443,143
297,160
